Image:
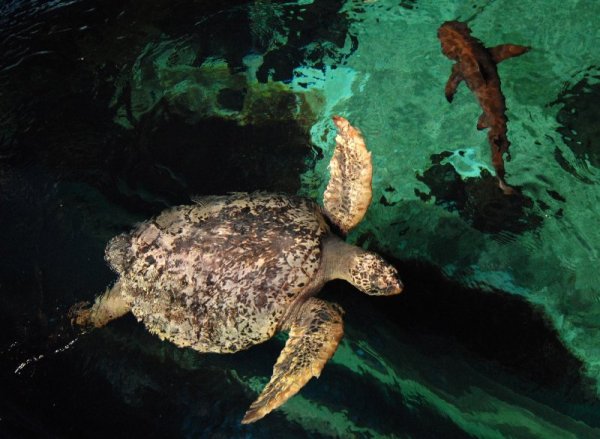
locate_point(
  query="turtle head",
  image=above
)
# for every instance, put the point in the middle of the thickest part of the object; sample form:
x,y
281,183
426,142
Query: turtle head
x,y
371,274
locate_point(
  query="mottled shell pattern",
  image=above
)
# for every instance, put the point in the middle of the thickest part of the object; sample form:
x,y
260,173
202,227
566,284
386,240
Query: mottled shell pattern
x,y
220,275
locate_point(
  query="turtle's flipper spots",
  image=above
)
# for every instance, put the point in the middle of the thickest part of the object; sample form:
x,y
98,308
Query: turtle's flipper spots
x,y
348,193
107,307
314,337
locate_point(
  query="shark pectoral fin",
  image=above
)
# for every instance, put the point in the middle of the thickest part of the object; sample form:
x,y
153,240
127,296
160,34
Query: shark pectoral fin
x,y
453,82
314,337
505,51
482,122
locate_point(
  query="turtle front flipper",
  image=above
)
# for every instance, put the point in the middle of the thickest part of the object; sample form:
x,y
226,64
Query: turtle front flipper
x,y
314,336
348,192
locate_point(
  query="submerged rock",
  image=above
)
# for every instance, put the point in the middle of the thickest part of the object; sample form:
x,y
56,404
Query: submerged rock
x,y
193,93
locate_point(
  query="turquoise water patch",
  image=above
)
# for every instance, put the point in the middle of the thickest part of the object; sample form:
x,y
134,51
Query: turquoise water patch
x,y
402,111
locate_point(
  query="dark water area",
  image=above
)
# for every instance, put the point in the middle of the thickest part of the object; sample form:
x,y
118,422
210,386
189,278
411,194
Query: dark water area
x,y
86,152
478,200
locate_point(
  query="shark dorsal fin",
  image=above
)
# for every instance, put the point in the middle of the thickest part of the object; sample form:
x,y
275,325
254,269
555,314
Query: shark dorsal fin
x,y
472,69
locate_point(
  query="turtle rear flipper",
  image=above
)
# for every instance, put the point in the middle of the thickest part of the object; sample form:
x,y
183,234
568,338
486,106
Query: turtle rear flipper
x,y
314,337
348,192
108,306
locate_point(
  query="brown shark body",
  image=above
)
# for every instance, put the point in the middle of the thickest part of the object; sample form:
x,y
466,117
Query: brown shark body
x,y
476,65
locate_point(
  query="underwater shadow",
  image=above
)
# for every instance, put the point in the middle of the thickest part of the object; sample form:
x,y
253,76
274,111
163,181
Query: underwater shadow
x,y
496,325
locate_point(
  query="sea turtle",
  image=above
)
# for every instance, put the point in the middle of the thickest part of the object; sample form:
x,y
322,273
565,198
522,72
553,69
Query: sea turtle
x,y
229,272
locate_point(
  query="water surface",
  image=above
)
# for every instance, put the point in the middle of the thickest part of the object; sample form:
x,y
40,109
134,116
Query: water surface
x,y
112,111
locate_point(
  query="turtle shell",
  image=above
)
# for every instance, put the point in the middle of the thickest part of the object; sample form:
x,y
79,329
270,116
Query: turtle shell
x,y
220,274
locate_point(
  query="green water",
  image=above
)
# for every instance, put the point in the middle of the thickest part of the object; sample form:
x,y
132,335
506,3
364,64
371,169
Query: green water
x,y
111,115
399,104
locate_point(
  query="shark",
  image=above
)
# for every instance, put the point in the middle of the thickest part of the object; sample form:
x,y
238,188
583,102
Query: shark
x,y
477,66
